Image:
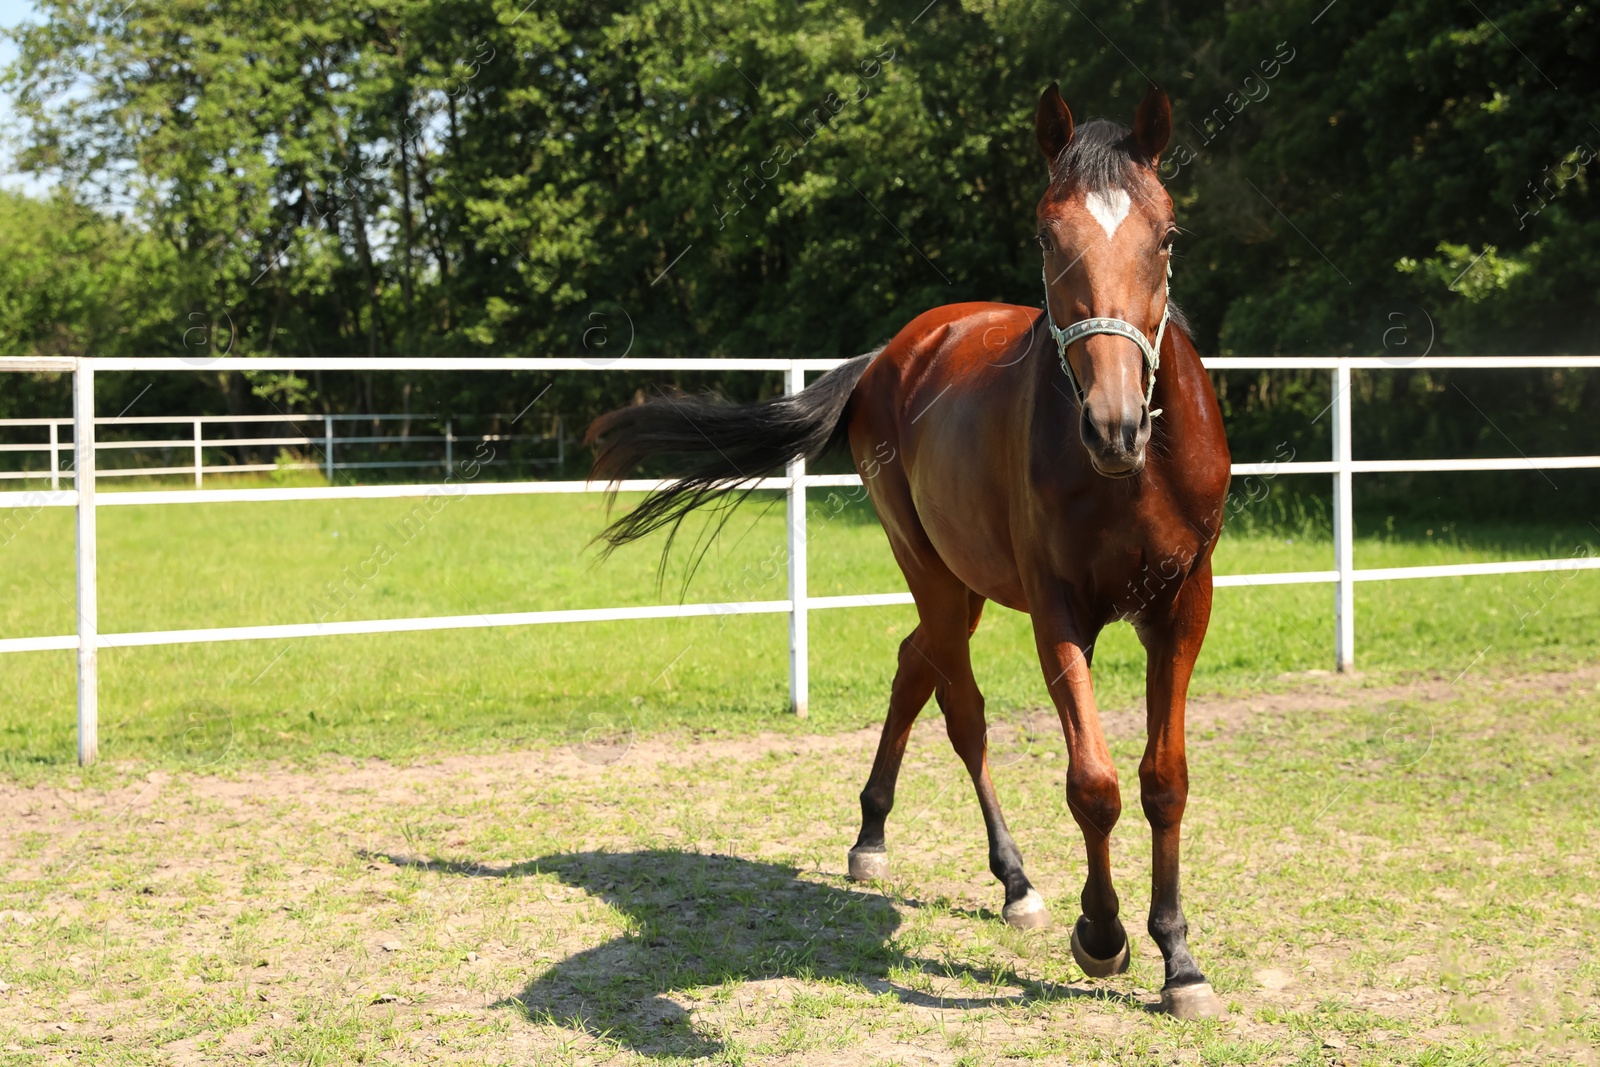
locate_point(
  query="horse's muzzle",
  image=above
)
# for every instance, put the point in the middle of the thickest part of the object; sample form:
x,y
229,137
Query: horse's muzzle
x,y
1116,445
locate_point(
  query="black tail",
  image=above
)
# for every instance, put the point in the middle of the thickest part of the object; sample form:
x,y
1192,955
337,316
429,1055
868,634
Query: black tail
x,y
725,447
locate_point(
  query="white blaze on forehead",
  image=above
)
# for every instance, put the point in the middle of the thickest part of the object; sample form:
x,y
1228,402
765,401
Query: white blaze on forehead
x,y
1109,208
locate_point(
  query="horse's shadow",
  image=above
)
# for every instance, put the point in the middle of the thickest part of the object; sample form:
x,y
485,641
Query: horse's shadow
x,y
694,920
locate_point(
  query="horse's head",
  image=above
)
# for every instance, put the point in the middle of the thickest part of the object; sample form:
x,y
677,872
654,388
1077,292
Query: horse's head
x,y
1106,227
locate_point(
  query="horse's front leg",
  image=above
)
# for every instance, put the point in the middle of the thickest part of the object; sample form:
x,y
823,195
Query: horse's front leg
x,y
1099,943
1172,641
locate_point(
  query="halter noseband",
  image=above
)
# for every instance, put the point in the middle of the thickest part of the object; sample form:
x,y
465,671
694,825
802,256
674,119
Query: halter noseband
x,y
1117,327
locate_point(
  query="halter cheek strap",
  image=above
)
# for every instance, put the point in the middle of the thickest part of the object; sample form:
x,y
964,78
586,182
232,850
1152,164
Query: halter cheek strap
x,y
1117,327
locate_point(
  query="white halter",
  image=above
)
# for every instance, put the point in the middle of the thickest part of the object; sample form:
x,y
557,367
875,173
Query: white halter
x,y
1120,328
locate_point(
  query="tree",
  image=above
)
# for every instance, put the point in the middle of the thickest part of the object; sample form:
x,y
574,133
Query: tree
x,y
705,177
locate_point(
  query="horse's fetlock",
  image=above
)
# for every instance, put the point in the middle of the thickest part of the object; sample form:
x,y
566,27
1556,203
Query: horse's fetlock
x,y
1006,865
1168,929
876,803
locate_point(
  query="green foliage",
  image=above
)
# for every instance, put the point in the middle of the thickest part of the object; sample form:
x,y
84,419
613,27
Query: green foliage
x,y
763,178
73,281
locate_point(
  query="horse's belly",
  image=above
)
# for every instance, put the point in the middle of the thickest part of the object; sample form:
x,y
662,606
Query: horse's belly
x,y
967,519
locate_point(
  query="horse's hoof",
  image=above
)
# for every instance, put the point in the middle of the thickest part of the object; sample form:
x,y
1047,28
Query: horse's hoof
x,y
1029,913
1099,968
1192,1002
866,866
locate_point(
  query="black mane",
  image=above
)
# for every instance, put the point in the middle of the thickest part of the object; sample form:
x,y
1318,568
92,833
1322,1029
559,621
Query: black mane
x,y
1101,155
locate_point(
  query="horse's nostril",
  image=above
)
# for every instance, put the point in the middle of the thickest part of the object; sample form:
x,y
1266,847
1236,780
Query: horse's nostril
x,y
1117,436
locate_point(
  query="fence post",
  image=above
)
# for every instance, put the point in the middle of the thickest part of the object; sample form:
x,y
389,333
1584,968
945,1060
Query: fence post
x,y
794,380
199,461
327,446
449,447
88,593
55,455
1344,605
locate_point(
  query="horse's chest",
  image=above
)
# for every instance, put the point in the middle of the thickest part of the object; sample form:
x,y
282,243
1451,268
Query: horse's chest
x,y
1144,564
1148,577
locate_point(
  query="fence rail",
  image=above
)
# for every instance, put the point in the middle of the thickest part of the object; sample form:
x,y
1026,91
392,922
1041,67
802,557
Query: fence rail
x,y
89,640
327,443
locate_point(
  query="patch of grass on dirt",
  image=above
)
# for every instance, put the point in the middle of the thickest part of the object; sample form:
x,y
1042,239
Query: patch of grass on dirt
x,y
1373,875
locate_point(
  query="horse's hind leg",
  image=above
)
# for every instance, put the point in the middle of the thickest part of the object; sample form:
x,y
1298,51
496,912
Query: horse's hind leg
x,y
962,703
936,658
913,685
914,681
941,599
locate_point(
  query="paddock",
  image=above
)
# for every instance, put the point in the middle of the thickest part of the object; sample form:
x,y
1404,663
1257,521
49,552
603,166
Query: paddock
x,y
675,898
510,807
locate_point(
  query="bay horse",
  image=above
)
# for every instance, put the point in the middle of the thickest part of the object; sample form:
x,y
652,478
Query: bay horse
x,y
1014,459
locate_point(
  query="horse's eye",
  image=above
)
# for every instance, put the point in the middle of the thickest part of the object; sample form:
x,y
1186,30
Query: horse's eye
x,y
1166,242
1044,241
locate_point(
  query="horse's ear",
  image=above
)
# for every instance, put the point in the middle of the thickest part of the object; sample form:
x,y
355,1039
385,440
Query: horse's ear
x,y
1152,124
1052,124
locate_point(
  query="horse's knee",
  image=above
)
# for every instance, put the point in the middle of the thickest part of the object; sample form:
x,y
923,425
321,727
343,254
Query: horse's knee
x,y
1095,798
1163,792
965,724
1163,808
964,719
913,659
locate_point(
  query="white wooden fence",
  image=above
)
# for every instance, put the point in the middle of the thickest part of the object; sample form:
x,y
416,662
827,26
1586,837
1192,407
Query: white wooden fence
x,y
88,640
329,444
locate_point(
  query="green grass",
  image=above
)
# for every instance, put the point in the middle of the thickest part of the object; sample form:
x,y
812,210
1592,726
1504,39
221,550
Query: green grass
x,y
399,696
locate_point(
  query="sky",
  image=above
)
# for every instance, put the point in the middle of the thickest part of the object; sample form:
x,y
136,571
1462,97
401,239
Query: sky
x,y
12,12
